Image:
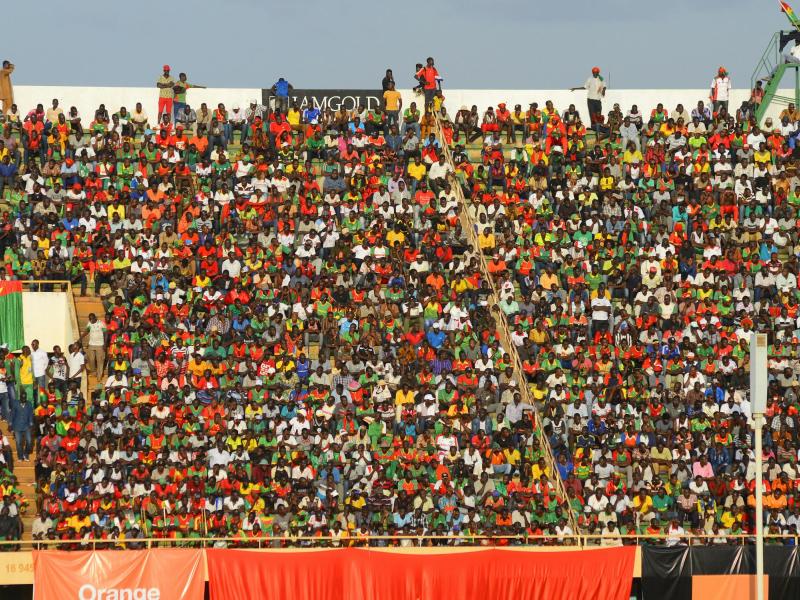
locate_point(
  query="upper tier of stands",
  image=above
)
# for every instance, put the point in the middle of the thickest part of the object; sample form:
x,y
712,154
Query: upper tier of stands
x,y
301,338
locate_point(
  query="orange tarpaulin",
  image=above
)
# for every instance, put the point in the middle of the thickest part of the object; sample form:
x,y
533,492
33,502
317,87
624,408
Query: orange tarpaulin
x,y
159,574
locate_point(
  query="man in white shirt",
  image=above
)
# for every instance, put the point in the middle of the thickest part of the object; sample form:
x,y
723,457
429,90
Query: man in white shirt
x,y
601,313
720,90
39,364
219,456
232,265
96,350
595,91
437,174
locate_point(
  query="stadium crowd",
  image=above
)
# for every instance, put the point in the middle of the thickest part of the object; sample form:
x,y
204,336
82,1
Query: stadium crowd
x,y
298,342
634,267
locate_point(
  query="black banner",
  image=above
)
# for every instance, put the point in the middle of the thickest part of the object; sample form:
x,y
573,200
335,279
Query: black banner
x,y
683,572
333,99
666,573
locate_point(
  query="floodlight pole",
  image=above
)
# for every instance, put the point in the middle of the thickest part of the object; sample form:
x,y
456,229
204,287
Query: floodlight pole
x,y
758,398
759,424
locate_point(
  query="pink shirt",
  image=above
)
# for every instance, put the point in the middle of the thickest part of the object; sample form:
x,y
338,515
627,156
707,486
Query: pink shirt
x,y
704,472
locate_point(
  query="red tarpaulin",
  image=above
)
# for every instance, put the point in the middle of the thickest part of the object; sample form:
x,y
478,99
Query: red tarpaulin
x,y
362,574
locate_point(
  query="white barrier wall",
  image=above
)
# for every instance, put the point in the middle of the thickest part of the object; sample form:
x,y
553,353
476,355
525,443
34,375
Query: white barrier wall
x,y
46,317
87,99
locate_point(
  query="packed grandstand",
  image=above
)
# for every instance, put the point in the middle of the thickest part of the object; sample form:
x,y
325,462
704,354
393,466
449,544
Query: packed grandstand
x,y
418,324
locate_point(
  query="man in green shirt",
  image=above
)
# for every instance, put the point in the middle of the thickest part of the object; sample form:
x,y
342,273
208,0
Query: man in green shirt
x,y
179,101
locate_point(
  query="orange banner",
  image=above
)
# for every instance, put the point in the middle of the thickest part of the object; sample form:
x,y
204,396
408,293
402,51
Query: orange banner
x,y
159,574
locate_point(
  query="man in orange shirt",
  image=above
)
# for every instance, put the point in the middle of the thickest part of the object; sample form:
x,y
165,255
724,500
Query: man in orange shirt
x,y
503,116
428,78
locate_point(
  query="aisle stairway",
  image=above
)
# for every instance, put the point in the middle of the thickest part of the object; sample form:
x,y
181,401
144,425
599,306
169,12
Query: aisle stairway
x,y
26,482
84,306
25,470
503,329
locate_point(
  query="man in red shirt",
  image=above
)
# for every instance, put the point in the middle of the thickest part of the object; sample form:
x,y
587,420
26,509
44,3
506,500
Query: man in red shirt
x,y
428,78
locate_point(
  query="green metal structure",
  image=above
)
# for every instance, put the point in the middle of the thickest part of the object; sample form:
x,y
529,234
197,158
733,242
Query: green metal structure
x,y
773,67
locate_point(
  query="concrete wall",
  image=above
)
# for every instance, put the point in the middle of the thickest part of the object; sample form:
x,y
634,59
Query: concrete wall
x,y
87,99
46,317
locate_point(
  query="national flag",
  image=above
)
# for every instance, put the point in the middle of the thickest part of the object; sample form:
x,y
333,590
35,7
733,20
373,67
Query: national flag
x,y
790,14
11,328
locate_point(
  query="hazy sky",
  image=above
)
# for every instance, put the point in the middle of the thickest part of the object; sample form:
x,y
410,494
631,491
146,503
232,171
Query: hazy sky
x,y
500,44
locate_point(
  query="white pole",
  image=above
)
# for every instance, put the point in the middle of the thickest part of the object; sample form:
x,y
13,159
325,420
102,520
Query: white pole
x,y
758,398
759,424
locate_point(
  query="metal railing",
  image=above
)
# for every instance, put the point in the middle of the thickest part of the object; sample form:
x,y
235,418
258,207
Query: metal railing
x,y
769,60
469,226
571,542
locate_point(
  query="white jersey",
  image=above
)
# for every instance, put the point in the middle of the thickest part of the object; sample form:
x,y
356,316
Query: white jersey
x,y
721,89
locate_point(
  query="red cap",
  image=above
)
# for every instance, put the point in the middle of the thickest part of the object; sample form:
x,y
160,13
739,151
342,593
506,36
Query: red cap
x,y
166,67
595,69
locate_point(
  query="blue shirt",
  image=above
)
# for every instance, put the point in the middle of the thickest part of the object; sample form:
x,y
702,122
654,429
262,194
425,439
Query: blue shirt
x,y
435,338
282,87
70,224
22,416
401,521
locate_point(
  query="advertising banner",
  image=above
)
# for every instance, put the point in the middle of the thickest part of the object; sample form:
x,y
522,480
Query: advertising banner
x,y
718,572
332,99
158,574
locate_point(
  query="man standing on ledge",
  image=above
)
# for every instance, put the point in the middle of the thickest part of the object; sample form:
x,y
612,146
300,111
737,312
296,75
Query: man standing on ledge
x,y
6,89
428,78
166,95
595,88
720,90
281,90
179,102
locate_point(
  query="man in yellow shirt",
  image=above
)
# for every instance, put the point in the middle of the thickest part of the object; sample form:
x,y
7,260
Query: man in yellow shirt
x,y
26,373
486,240
392,104
417,171
548,279
197,365
78,521
404,396
293,117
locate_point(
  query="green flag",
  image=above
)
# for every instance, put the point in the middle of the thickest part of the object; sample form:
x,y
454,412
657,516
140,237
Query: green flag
x,y
11,331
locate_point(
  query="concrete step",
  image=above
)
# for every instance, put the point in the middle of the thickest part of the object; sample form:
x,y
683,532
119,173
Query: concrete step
x,y
84,308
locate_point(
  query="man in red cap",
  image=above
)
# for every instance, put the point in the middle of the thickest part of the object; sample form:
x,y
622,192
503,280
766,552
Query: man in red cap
x,y
595,88
720,90
166,89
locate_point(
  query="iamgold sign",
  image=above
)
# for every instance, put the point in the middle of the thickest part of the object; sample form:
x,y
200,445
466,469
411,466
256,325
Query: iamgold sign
x,y
330,99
